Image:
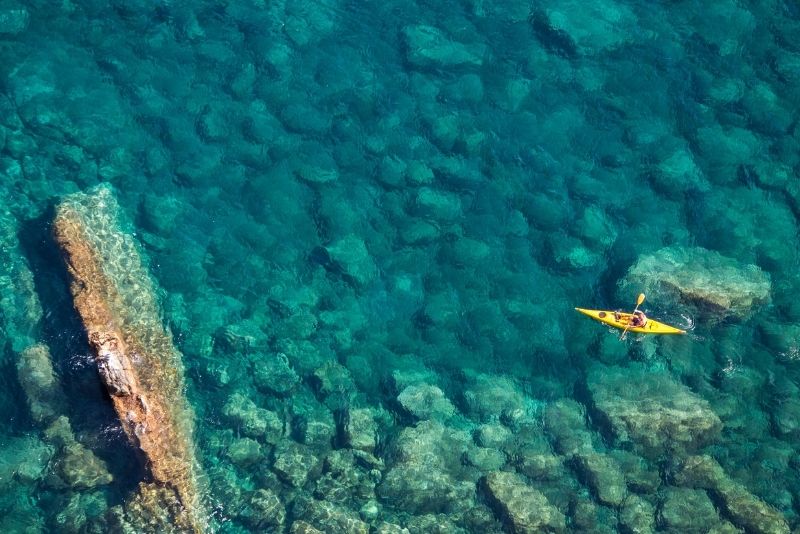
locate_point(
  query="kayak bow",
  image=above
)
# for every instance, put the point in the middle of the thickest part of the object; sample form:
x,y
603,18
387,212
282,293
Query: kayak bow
x,y
651,327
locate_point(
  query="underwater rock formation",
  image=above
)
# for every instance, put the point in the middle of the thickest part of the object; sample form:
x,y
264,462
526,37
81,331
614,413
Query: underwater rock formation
x,y
20,310
715,285
427,46
744,509
75,466
524,508
71,465
603,476
328,517
251,420
264,512
425,401
24,459
687,510
636,515
349,255
38,380
138,363
424,470
651,410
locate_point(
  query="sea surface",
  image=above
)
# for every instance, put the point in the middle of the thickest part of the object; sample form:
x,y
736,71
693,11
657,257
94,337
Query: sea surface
x,y
369,224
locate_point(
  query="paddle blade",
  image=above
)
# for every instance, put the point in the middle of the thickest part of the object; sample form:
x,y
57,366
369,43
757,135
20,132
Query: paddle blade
x,y
640,299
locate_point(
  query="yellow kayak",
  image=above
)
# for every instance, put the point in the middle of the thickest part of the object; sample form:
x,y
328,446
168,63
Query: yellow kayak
x,y
650,327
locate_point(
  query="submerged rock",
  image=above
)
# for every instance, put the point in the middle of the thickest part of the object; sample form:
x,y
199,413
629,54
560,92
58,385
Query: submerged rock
x,y
152,508
687,510
295,464
524,508
301,527
485,459
715,285
651,410
390,528
23,458
349,255
640,475
433,524
38,380
488,397
344,480
565,420
274,374
13,18
329,517
437,205
137,360
244,452
493,435
424,463
360,430
637,515
242,337
332,378
252,421
75,466
419,488
79,468
742,507
786,417
541,466
264,512
427,46
312,423
79,512
425,401
572,28
603,476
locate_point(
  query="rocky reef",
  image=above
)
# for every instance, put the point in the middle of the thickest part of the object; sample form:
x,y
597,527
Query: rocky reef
x,y
137,361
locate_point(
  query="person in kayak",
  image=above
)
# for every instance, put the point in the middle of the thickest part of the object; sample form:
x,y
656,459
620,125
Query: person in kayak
x,y
638,319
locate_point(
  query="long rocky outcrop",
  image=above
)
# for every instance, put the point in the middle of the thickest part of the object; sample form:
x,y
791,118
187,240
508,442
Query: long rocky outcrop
x,y
138,363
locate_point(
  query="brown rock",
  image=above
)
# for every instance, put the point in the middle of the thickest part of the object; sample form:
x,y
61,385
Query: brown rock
x,y
138,363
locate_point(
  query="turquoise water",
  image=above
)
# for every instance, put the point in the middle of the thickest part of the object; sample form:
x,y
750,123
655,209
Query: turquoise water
x,y
369,224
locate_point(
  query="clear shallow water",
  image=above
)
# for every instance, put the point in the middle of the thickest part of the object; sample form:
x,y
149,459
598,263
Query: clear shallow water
x,y
408,195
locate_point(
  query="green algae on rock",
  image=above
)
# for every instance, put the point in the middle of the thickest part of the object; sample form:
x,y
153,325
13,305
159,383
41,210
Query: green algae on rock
x,y
138,363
